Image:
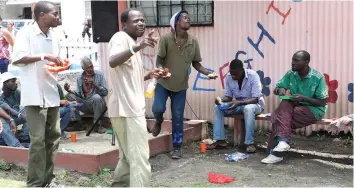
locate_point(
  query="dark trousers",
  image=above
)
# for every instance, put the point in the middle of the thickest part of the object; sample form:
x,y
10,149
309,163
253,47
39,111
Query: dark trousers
x,y
178,100
288,116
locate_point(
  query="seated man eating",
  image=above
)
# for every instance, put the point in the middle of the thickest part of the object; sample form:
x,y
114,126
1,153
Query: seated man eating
x,y
308,104
65,111
90,90
245,86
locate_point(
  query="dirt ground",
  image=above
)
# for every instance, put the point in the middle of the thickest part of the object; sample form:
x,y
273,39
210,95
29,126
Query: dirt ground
x,y
192,170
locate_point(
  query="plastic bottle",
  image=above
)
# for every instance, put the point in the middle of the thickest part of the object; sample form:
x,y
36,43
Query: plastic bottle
x,y
151,88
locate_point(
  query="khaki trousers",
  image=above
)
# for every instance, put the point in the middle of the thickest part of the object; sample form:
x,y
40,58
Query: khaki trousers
x,y
44,131
133,168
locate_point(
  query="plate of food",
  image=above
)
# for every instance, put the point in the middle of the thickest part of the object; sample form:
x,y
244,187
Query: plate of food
x,y
52,67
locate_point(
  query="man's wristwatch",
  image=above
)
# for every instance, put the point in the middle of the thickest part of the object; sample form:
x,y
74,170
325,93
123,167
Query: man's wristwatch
x,y
11,120
42,57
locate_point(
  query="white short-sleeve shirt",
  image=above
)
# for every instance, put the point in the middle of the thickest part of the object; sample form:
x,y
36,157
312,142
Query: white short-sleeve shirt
x,y
38,86
125,82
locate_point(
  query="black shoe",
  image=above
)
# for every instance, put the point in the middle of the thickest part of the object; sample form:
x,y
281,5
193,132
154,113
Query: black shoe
x,y
157,129
100,130
176,154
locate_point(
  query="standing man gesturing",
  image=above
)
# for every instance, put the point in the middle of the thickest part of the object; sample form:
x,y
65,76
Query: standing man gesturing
x,y
126,100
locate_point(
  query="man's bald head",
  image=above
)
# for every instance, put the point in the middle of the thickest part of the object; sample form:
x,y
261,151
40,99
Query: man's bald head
x,y
303,55
300,61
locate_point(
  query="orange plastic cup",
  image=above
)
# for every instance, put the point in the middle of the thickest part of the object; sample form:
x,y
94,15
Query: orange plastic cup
x,y
73,137
203,147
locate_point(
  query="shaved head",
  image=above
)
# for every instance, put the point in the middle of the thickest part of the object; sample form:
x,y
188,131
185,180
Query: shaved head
x,y
304,55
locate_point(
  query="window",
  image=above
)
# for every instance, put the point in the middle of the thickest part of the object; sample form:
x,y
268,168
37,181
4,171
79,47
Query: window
x,y
159,13
88,9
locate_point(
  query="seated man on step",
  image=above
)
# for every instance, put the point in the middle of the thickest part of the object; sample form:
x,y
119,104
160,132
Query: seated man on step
x,y
90,90
13,114
9,131
65,111
245,86
308,104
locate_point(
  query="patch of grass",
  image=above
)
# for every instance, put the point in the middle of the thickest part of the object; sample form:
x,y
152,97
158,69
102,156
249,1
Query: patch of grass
x,y
347,141
62,176
4,166
261,132
320,136
101,179
12,183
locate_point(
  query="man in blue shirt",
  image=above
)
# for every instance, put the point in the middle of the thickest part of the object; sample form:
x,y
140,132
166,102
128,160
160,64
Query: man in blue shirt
x,y
245,87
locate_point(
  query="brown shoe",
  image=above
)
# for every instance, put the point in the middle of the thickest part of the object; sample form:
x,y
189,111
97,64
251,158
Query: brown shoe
x,y
219,144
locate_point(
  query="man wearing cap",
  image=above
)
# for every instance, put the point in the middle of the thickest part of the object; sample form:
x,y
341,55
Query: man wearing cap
x,y
177,51
10,101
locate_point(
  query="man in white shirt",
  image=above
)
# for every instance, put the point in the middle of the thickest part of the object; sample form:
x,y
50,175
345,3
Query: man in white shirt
x,y
37,45
126,101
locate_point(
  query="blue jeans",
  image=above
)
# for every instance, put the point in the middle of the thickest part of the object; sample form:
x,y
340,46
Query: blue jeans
x,y
7,138
4,65
249,112
65,117
178,101
23,134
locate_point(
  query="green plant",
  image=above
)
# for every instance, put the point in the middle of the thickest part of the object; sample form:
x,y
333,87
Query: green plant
x,y
261,132
101,179
4,166
348,141
320,136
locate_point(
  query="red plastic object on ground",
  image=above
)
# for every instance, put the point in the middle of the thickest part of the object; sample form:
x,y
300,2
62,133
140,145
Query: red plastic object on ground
x,y
219,178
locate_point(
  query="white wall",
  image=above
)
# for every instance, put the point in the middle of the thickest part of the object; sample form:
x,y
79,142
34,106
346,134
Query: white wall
x,y
13,11
73,16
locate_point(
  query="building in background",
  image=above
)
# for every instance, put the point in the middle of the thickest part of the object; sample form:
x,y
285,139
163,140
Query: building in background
x,y
72,12
264,35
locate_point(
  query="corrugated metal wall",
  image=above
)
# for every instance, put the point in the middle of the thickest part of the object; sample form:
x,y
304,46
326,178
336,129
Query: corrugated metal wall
x,y
324,28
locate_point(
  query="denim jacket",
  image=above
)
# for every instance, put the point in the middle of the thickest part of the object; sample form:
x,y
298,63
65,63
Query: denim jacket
x,y
98,79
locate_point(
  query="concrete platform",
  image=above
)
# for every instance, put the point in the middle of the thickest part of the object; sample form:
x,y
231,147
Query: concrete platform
x,y
93,153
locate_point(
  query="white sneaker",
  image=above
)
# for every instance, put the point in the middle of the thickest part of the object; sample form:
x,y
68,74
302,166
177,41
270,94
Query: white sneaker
x,y
281,147
271,159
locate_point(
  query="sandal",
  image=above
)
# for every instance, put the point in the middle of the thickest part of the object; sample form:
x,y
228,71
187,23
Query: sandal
x,y
251,148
